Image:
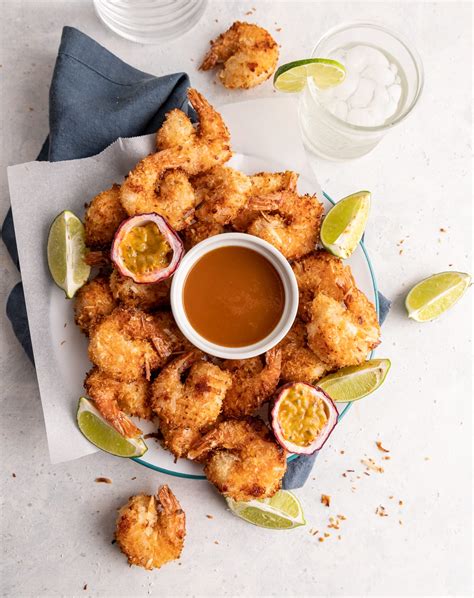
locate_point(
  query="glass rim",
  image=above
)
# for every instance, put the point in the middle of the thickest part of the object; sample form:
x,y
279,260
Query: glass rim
x,y
413,55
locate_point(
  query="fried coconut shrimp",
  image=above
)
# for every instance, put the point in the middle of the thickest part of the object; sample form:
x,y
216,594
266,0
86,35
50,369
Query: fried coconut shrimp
x,y
253,383
248,53
321,272
299,363
150,530
290,223
242,459
128,343
150,188
103,216
268,186
93,301
115,400
222,192
199,231
143,296
187,408
341,333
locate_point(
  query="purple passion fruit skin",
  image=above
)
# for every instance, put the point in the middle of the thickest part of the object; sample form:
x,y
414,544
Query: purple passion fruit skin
x,y
152,253
330,412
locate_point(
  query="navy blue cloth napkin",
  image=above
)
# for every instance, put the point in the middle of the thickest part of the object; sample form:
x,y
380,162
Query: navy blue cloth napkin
x,y
94,99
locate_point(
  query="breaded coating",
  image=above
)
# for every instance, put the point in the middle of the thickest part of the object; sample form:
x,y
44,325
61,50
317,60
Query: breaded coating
x,y
253,383
242,458
103,216
115,400
187,408
321,272
127,344
248,53
93,301
291,223
199,231
343,333
150,530
142,296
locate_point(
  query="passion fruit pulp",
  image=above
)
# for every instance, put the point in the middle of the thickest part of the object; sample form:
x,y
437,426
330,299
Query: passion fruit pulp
x,y
146,249
302,417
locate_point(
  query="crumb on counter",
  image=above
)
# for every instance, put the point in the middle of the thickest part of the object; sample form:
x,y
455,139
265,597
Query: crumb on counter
x,y
378,444
372,465
209,516
380,510
325,500
103,480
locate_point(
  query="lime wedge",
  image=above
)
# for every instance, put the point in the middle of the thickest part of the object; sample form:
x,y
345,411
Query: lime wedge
x,y
99,432
282,511
355,382
66,252
291,77
433,296
344,224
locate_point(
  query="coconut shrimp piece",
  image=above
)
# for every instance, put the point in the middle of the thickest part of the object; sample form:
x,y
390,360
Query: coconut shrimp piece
x,y
253,383
185,409
103,216
299,363
291,223
243,460
115,400
93,301
199,231
147,187
343,333
150,530
128,343
222,192
248,53
176,130
268,186
321,272
142,296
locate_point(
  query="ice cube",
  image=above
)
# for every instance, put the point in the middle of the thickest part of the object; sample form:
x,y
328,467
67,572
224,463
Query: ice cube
x,y
375,56
357,58
340,109
380,99
379,73
348,86
339,55
363,94
395,92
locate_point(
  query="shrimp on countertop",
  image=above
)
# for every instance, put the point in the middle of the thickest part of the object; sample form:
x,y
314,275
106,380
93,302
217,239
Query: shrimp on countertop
x,y
146,188
248,53
321,272
185,409
115,400
130,343
253,383
143,296
93,301
243,460
290,223
341,333
103,216
298,362
150,530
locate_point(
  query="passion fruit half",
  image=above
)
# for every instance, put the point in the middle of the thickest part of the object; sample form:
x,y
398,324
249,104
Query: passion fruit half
x,y
146,249
302,417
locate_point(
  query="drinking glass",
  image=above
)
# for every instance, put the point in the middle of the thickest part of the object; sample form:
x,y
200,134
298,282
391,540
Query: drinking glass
x,y
149,21
330,137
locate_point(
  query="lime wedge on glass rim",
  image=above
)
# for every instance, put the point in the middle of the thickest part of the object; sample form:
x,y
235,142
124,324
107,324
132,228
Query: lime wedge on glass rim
x,y
103,435
355,382
66,251
344,224
282,511
291,77
434,295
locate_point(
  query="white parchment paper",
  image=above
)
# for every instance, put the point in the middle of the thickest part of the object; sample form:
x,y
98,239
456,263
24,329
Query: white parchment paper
x,y
40,190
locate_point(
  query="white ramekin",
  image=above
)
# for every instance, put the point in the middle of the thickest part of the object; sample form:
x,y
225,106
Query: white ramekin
x,y
278,261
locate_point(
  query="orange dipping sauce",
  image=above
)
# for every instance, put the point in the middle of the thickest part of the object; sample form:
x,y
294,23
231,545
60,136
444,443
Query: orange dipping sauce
x,y
233,296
